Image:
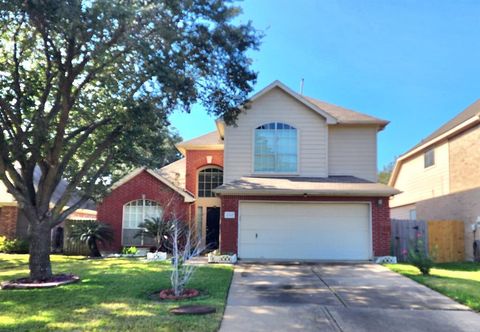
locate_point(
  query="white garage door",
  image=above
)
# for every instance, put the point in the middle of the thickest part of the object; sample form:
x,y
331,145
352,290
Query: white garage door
x,y
330,231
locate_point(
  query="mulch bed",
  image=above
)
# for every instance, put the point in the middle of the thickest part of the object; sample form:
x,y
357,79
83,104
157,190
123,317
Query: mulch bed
x,y
27,283
168,295
193,310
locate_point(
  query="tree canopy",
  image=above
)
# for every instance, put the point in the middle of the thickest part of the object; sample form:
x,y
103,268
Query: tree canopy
x,y
86,88
385,174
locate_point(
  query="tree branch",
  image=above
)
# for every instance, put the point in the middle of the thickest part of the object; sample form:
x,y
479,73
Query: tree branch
x,y
65,213
73,183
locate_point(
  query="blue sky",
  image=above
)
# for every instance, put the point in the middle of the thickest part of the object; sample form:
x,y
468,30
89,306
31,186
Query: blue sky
x,y
414,63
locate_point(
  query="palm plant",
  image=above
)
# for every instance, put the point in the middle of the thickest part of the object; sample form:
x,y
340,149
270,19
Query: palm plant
x,y
91,232
155,228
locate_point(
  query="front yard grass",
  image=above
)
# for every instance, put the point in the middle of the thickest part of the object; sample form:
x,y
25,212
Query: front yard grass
x,y
112,296
459,281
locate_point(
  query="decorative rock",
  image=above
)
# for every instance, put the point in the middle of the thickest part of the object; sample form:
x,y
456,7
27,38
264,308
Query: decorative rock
x,y
156,256
193,310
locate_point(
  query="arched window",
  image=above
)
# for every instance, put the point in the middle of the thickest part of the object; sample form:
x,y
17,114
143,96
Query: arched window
x,y
208,179
275,148
135,212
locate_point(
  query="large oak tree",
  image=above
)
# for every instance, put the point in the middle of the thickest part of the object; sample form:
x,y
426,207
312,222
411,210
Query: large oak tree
x,y
86,88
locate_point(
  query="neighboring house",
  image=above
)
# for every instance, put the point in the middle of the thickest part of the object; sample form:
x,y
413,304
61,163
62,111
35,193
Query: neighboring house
x,y
295,178
440,177
13,223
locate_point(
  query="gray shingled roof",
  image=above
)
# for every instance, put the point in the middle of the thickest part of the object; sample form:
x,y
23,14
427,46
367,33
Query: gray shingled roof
x,y
345,115
58,193
174,172
329,186
469,112
211,138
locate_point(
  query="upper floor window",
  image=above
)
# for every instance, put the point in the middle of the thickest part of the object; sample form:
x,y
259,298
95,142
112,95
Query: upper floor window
x,y
275,148
429,158
135,212
209,179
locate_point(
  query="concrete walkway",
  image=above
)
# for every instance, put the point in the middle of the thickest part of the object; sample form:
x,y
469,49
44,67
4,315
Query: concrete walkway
x,y
337,297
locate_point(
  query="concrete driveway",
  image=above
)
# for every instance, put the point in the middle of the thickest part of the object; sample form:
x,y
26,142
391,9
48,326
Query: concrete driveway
x,y
337,297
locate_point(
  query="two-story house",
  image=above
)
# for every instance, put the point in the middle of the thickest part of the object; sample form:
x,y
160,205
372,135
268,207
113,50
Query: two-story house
x,y
295,178
440,176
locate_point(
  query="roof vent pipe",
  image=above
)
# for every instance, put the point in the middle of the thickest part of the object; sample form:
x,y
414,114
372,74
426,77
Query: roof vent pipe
x,y
302,81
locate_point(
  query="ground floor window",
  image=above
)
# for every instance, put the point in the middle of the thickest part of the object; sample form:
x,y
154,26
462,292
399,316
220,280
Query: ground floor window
x,y
135,213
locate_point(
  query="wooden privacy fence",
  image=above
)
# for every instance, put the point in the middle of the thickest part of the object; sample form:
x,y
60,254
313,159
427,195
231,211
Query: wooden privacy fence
x,y
70,247
444,238
447,239
405,233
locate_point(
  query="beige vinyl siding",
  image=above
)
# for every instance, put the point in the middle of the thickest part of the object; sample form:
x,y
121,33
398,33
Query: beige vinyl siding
x,y
277,106
419,183
352,150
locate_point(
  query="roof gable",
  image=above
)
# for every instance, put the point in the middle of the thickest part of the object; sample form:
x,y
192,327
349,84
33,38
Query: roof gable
x,y
277,84
186,195
209,141
464,120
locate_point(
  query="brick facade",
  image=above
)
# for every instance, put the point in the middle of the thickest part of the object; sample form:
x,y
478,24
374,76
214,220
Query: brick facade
x,y
464,158
197,159
144,185
380,219
8,221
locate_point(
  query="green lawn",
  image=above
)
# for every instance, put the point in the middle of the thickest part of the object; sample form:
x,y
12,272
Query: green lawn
x,y
112,296
459,281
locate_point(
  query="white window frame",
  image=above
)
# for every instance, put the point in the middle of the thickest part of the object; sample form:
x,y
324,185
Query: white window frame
x,y
426,158
198,179
143,211
296,171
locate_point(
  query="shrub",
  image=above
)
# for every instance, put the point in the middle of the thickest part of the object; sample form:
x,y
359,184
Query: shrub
x,y
15,246
419,257
129,250
157,229
90,232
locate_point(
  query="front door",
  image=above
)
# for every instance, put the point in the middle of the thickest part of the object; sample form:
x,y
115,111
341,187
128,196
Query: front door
x,y
213,227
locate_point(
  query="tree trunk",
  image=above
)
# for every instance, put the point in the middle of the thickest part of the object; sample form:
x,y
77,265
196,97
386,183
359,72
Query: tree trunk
x,y
40,241
92,245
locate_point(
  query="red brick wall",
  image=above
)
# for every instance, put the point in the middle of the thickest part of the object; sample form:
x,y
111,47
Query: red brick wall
x,y
197,159
110,210
380,219
8,221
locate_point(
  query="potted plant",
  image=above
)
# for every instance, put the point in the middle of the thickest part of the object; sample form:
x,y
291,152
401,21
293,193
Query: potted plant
x,y
226,258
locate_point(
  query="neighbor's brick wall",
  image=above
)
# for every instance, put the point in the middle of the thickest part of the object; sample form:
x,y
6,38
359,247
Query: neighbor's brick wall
x,y
8,221
463,205
464,152
380,219
110,210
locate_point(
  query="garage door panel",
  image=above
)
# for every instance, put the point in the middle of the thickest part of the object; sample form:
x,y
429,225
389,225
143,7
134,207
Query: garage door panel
x,y
304,231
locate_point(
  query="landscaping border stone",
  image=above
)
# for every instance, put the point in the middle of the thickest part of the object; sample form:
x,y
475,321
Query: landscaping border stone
x,y
27,283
